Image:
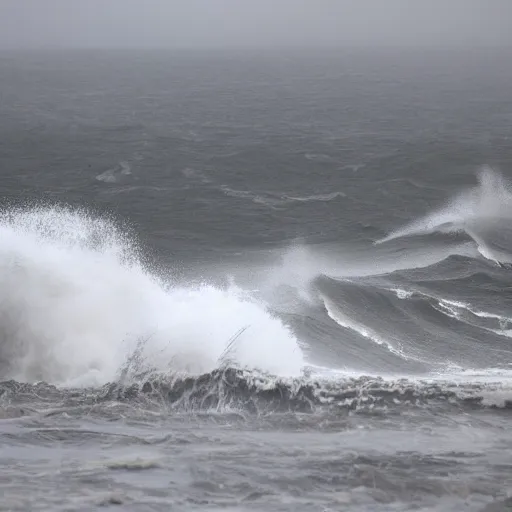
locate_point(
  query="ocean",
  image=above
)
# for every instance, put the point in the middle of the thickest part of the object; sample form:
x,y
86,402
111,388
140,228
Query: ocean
x,y
256,280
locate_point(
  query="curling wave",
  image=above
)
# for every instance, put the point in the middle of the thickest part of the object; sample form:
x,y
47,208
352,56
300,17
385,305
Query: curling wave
x,y
484,213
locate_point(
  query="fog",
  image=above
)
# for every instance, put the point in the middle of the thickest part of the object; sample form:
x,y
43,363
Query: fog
x,y
252,23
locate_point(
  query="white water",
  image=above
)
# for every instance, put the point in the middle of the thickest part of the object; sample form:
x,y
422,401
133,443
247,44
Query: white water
x,y
475,211
402,294
75,300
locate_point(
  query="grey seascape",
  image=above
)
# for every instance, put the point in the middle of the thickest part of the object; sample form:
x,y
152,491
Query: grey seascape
x,y
256,279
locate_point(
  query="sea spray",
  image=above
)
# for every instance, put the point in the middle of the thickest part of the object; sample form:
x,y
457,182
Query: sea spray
x,y
483,212
75,301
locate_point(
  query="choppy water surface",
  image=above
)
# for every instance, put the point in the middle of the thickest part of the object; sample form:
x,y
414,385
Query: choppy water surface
x,y
255,282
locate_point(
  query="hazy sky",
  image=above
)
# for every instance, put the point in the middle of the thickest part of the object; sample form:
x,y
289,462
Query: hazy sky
x,y
207,23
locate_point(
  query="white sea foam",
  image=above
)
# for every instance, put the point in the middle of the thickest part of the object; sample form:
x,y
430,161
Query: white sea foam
x,y
402,294
75,301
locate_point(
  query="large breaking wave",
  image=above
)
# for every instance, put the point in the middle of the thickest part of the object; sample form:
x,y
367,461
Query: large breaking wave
x,y
77,301
81,307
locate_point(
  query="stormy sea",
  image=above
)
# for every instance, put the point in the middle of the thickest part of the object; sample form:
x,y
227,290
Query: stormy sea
x,y
256,281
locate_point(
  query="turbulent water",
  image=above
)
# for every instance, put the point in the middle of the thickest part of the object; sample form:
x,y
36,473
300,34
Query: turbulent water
x,y
256,282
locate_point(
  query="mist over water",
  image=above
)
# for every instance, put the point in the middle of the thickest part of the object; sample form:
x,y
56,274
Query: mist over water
x,y
268,24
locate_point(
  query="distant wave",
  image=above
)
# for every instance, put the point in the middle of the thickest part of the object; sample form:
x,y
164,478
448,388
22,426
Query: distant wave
x,y
113,175
318,157
463,312
316,197
484,213
265,198
195,175
274,199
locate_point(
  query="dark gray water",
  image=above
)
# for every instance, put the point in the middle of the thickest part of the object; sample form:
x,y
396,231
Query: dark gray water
x,y
256,281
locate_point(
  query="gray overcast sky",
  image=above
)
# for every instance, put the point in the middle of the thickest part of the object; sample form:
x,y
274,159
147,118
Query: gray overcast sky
x,y
206,23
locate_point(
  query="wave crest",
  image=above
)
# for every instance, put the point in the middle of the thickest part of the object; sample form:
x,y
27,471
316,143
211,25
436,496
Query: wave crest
x,y
483,213
231,389
76,299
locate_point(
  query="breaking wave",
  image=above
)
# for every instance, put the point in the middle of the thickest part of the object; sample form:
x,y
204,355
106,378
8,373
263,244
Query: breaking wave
x,y
245,391
259,393
484,213
77,302
344,321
